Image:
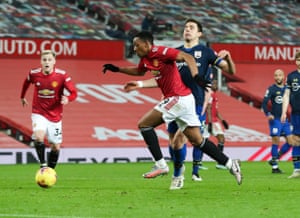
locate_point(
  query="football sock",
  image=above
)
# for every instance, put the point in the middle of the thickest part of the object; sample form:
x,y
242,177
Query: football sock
x,y
53,157
284,149
151,140
40,150
211,150
179,157
274,151
197,158
296,157
171,152
221,146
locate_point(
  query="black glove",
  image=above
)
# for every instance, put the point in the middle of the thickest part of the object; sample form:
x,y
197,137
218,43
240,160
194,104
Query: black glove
x,y
110,67
225,124
204,83
209,128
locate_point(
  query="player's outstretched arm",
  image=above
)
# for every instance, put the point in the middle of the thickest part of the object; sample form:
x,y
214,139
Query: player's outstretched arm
x,y
133,85
126,70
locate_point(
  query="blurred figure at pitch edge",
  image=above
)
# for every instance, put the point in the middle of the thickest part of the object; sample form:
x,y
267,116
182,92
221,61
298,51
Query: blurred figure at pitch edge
x,y
178,104
292,97
214,126
277,128
47,105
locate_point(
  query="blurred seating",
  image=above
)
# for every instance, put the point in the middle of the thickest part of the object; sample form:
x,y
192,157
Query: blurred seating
x,y
233,21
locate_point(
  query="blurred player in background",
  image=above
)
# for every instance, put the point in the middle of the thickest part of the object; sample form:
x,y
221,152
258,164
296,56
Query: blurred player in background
x,y
47,105
292,97
214,126
277,128
178,103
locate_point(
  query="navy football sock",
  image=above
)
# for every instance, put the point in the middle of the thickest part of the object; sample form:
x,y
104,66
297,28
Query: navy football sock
x,y
179,157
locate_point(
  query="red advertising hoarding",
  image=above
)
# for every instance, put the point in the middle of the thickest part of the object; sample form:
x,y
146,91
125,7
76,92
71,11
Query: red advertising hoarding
x,y
67,49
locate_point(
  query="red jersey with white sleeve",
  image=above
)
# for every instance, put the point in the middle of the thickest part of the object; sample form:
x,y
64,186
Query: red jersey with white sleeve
x,y
213,100
48,92
161,62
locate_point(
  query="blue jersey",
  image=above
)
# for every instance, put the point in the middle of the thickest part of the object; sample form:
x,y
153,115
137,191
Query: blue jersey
x,y
274,94
204,57
293,84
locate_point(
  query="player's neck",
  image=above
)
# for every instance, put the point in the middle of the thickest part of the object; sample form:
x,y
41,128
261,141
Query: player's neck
x,y
191,44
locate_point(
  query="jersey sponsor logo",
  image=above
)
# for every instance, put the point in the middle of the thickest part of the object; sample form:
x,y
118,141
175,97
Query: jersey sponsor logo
x,y
295,85
46,92
278,99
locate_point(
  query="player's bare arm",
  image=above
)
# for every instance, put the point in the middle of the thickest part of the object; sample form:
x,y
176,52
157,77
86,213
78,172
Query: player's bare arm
x,y
133,85
285,104
228,64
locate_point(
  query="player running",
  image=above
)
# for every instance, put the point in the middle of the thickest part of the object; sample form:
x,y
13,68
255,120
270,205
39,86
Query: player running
x,y
176,105
47,105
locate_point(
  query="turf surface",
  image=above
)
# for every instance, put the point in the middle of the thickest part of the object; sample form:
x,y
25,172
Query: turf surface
x,y
118,190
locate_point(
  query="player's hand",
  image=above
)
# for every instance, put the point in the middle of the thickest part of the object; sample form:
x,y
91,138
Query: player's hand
x,y
209,128
24,102
225,124
64,100
110,67
130,86
202,82
223,54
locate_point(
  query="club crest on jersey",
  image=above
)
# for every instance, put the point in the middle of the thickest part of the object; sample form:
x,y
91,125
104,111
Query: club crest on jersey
x,y
198,54
155,63
54,84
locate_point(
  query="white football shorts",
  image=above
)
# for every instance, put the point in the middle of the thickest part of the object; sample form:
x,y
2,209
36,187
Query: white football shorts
x,y
53,130
181,109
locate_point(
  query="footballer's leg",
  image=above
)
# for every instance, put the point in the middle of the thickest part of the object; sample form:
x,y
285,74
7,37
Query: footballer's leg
x,y
40,150
146,125
53,156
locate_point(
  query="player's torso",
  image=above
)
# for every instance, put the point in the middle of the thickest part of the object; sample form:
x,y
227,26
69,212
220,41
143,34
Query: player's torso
x,y
204,58
293,82
163,68
276,94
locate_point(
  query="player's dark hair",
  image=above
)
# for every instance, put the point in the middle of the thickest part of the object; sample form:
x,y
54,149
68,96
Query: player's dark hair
x,y
192,20
145,36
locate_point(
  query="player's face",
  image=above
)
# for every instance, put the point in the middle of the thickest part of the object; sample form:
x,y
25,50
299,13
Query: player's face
x,y
279,77
191,32
141,47
47,62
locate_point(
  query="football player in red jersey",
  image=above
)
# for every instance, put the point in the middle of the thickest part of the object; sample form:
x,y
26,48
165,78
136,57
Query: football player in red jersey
x,y
177,103
47,105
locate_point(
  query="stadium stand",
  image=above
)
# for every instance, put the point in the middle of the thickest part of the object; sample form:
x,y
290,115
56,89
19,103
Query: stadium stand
x,y
270,22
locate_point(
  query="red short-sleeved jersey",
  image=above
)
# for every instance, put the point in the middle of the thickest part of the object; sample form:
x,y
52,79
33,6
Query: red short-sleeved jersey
x,y
48,92
161,62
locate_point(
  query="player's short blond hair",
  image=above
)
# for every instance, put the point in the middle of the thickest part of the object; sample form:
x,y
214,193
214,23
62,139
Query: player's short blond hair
x,y
45,52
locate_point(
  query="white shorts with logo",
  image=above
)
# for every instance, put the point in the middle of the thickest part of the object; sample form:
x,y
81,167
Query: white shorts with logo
x,y
181,109
53,129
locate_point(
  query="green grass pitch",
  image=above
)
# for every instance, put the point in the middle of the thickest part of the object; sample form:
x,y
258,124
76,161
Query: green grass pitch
x,y
118,190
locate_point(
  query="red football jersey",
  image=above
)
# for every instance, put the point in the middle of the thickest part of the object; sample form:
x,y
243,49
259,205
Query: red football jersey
x,y
48,91
161,62
213,100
